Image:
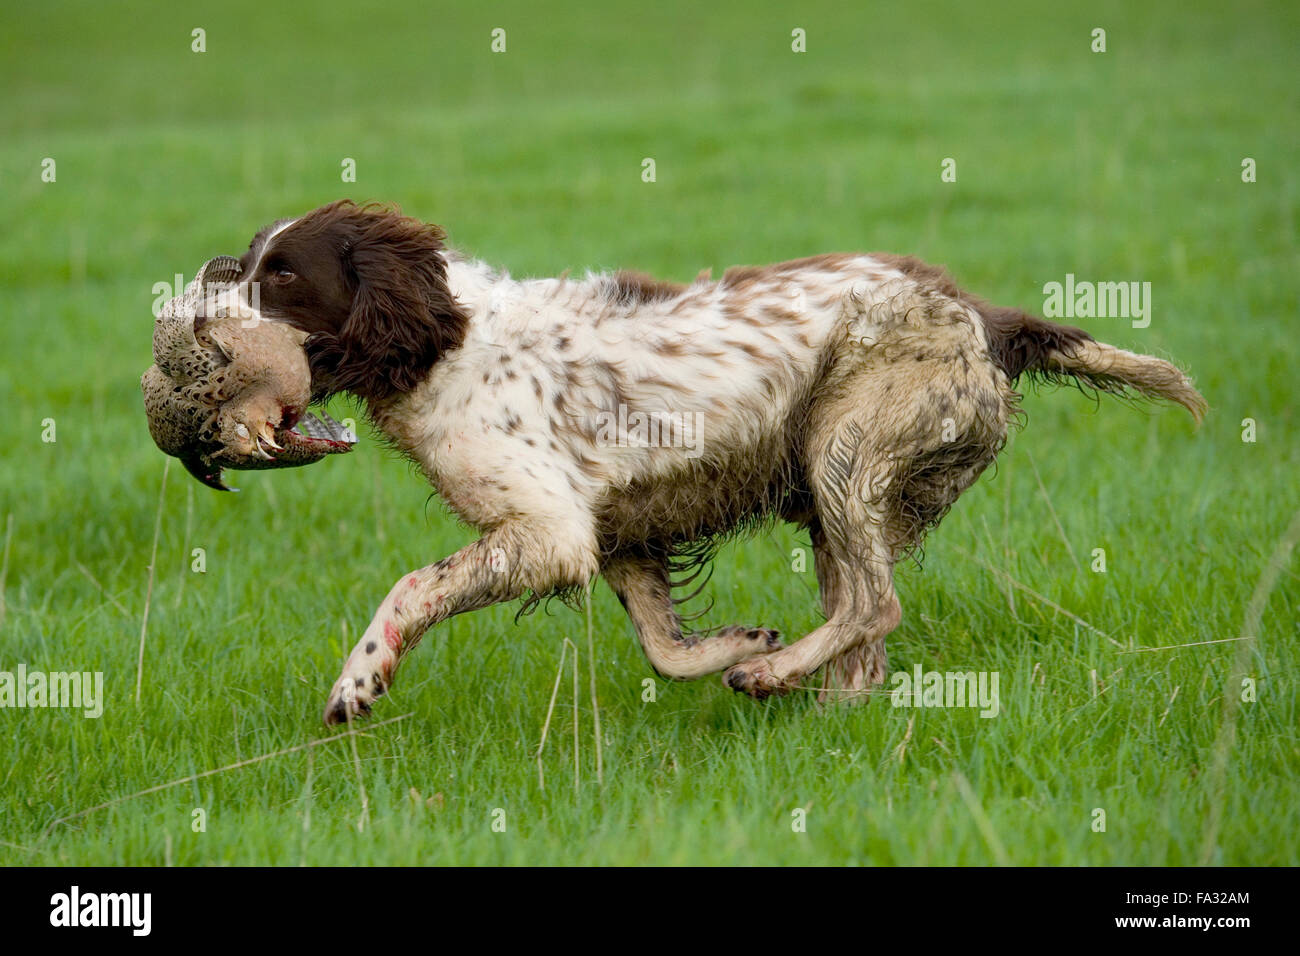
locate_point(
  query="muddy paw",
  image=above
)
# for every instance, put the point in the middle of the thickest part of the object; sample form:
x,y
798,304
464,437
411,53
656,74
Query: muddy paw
x,y
756,678
765,638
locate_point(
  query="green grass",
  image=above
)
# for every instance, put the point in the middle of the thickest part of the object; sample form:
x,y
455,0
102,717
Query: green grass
x,y
1123,165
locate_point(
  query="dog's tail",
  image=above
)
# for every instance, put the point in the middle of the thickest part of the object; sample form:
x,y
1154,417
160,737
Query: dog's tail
x,y
1022,344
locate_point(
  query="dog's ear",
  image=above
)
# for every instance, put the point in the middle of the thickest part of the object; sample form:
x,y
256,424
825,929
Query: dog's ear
x,y
403,316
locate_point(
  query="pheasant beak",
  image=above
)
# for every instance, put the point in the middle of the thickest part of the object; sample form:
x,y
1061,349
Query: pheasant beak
x,y
266,438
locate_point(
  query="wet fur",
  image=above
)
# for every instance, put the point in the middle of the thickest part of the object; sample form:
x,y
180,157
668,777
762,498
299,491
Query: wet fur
x,y
854,395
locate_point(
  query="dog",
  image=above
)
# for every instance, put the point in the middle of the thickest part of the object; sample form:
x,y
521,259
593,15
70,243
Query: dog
x,y
624,426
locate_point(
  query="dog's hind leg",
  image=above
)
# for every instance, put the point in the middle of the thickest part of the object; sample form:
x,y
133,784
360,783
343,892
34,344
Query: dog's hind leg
x,y
642,584
899,429
855,431
854,566
849,675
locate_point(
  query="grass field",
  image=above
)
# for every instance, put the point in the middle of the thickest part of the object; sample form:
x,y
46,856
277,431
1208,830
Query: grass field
x,y
1123,165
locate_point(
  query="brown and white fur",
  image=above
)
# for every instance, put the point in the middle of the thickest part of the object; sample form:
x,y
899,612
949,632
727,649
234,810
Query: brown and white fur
x,y
855,395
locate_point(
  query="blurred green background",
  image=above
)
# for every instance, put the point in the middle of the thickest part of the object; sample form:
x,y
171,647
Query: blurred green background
x,y
1123,166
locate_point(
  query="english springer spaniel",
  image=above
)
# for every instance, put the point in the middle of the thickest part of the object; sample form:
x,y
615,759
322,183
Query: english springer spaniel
x,y
623,426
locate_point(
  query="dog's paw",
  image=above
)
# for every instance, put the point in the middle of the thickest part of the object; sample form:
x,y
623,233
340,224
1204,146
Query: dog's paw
x,y
344,703
365,678
756,678
764,639
769,639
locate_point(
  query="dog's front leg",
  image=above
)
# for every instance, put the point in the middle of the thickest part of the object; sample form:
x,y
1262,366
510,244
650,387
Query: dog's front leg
x,y
500,566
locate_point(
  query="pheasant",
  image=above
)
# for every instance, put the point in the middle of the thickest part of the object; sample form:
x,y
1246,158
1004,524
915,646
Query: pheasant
x,y
224,393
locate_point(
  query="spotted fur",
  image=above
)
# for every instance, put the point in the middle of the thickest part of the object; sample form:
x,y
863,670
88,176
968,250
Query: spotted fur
x,y
854,395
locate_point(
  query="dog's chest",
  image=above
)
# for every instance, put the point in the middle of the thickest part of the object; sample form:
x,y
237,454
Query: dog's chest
x,y
483,442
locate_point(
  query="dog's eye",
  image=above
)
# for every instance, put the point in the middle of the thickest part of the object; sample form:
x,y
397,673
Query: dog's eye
x,y
282,275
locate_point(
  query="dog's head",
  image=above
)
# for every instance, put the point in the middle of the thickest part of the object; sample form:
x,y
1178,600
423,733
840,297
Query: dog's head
x,y
368,284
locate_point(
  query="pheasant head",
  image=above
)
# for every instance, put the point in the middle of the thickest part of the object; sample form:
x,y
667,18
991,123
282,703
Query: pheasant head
x,y
224,392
